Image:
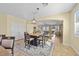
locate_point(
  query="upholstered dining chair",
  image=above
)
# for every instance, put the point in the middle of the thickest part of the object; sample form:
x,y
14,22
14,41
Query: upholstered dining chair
x,y
8,43
1,36
27,39
42,40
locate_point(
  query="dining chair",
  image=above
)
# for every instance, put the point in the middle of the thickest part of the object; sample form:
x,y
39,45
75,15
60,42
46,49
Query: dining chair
x,y
0,39
27,39
42,39
1,36
8,43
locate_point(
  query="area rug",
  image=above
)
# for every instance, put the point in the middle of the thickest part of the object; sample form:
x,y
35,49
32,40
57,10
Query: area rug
x,y
33,51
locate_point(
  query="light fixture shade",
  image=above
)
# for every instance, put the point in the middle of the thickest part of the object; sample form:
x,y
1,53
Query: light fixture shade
x,y
34,21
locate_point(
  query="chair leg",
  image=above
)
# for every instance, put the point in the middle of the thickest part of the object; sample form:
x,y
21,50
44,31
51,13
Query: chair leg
x,y
25,44
42,44
29,44
38,41
12,52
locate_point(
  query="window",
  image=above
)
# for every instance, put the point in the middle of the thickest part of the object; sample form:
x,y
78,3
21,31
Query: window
x,y
76,23
17,30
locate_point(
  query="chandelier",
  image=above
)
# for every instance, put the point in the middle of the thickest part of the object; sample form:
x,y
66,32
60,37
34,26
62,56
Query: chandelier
x,y
34,13
34,21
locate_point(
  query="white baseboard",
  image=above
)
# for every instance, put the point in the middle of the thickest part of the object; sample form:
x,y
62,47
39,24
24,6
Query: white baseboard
x,y
75,50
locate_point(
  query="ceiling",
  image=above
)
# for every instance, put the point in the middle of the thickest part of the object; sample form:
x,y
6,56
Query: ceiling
x,y
25,10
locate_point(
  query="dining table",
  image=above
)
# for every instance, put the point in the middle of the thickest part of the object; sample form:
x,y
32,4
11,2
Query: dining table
x,y
4,52
35,41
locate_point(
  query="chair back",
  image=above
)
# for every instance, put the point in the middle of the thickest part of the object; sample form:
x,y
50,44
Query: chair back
x,y
1,36
8,42
26,36
43,36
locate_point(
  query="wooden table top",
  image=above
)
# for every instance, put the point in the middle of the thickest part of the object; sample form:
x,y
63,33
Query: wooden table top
x,y
37,34
4,52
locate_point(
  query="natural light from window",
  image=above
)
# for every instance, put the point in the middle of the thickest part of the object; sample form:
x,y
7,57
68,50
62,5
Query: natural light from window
x,y
77,23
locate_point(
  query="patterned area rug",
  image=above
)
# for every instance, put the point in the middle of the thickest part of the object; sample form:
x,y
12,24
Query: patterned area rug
x,y
20,50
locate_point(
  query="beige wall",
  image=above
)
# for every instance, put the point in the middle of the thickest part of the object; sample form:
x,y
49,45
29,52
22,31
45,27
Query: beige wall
x,y
74,40
6,23
16,20
3,26
19,26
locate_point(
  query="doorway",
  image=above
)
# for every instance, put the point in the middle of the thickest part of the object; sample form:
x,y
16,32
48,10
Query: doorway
x,y
51,26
